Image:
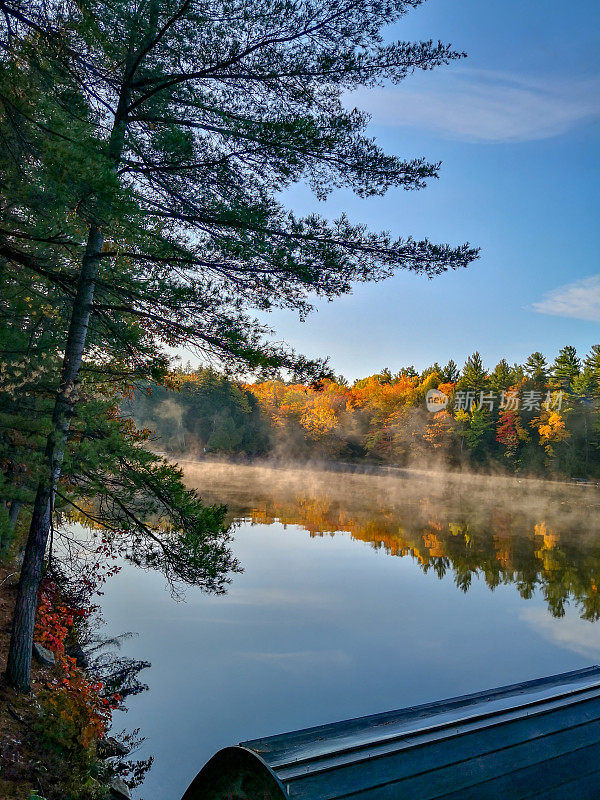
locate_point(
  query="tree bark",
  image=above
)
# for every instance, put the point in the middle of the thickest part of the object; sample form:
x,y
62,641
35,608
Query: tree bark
x,y
14,507
19,658
13,513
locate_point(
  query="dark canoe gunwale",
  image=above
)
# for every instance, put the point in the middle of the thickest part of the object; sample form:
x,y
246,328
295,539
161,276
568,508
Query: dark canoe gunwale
x,y
320,751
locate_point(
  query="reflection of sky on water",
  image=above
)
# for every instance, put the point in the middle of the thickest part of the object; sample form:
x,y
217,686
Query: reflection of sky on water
x,y
569,632
300,660
319,629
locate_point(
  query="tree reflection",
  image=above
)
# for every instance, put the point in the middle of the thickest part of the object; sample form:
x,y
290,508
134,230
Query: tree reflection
x,y
537,537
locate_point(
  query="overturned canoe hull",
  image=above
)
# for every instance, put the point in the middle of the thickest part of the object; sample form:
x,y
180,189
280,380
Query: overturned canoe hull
x,y
539,739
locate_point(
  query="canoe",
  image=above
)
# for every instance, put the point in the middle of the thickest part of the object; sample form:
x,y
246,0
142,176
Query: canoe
x,y
539,739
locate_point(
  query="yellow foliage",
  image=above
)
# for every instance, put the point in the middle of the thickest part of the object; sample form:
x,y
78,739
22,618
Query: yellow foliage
x,y
320,419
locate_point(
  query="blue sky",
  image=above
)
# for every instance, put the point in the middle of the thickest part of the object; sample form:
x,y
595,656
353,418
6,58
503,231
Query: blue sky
x,y
516,127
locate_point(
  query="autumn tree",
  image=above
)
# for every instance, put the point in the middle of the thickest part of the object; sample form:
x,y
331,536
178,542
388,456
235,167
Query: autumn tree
x,y
516,421
511,434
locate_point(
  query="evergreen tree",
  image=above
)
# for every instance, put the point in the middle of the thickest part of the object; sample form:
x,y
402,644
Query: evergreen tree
x,y
450,373
167,132
592,364
565,367
536,368
479,434
473,375
503,376
408,372
518,373
584,419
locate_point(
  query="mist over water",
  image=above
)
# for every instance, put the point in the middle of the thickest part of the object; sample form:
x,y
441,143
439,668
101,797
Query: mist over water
x,y
528,532
360,593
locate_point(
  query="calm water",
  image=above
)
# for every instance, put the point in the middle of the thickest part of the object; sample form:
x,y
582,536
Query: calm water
x,y
359,594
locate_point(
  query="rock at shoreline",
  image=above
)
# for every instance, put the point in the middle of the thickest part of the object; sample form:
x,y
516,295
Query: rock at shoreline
x,y
111,747
119,789
43,655
81,660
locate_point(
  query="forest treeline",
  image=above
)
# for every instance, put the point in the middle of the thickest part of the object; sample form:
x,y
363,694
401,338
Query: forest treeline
x,y
536,417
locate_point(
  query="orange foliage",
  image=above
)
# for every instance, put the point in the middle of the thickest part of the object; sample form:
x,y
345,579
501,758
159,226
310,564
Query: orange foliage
x,y
385,398
283,401
381,415
53,624
553,429
77,713
436,432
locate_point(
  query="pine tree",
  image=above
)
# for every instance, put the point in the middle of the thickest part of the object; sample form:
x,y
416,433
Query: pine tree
x,y
536,368
169,131
565,367
450,373
592,364
503,376
473,375
479,434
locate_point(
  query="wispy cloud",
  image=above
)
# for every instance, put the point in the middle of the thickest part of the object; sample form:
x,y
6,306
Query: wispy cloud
x,y
579,300
569,632
484,106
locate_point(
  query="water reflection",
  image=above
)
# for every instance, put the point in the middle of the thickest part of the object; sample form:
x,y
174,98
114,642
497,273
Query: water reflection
x,y
324,625
533,535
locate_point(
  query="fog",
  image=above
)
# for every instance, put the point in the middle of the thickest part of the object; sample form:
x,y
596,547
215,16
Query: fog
x,y
428,494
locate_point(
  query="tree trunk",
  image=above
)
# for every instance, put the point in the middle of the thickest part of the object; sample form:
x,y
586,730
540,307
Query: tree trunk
x,y
19,657
13,514
587,442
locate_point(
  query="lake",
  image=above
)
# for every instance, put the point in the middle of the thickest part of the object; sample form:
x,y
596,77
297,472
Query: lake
x,y
359,594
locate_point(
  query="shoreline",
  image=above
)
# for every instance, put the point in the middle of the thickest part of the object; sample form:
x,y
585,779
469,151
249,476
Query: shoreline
x,y
57,739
